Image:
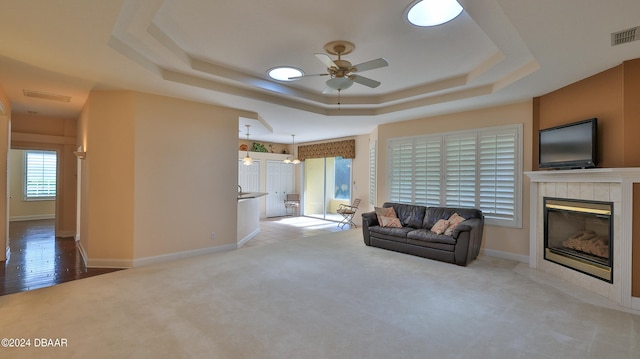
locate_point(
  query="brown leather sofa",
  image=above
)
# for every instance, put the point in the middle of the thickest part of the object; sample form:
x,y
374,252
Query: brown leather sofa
x,y
415,236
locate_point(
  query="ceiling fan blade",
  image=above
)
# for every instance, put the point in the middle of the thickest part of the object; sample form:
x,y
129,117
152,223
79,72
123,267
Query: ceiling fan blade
x,y
365,81
311,75
370,65
326,60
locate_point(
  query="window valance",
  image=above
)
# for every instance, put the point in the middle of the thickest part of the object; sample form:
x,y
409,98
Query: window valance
x,y
344,149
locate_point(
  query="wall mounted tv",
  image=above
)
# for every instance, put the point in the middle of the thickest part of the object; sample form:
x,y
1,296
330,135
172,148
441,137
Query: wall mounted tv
x,y
573,145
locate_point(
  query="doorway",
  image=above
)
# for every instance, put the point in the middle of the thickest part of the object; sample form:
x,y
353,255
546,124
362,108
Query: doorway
x,y
32,175
327,184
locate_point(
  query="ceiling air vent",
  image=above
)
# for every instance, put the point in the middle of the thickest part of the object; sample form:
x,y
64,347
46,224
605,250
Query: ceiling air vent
x,y
624,36
46,95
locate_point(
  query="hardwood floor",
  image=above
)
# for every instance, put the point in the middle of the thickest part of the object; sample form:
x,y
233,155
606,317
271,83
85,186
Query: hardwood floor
x,y
38,259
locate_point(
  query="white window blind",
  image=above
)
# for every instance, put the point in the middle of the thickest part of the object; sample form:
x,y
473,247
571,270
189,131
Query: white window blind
x,y
372,173
460,167
498,173
40,175
470,169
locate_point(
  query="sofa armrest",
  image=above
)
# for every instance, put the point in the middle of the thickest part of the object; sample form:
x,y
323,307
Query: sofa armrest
x,y
469,239
368,219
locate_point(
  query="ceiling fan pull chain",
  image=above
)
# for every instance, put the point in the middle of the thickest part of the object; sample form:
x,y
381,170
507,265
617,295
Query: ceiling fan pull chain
x,y
339,99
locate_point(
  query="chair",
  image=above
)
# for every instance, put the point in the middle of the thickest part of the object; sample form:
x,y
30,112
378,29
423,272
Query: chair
x,y
347,212
292,202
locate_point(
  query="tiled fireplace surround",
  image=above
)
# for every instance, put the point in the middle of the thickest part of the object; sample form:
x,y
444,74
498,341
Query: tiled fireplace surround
x,y
600,184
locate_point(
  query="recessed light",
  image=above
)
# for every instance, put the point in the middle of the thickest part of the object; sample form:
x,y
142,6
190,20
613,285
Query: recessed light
x,y
283,73
433,12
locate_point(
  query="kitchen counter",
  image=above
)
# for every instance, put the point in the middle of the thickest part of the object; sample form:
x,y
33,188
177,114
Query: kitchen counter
x,y
245,195
248,215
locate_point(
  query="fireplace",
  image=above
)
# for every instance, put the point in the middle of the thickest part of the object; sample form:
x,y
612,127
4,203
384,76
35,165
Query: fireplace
x,y
578,234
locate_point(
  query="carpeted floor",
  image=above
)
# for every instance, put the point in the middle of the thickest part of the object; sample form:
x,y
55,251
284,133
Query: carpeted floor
x,y
326,296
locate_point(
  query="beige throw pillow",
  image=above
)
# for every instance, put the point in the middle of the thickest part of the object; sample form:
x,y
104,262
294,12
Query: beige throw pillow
x,y
454,220
385,212
440,226
391,222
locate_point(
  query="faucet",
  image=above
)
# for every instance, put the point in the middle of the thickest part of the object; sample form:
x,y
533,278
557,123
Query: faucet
x,y
240,189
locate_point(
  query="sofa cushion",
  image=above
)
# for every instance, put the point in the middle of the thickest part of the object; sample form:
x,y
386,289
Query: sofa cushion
x,y
410,215
400,232
426,235
433,214
391,222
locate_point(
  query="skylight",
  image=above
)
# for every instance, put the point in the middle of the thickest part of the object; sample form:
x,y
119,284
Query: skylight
x,y
433,12
283,73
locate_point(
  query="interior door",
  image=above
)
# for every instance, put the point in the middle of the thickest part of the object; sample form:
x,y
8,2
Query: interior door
x,y
279,182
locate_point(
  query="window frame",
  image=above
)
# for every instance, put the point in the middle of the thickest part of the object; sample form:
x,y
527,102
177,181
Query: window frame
x,y
432,149
26,178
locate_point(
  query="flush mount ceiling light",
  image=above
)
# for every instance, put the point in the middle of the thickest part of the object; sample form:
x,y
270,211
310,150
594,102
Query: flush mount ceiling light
x,y
283,73
432,12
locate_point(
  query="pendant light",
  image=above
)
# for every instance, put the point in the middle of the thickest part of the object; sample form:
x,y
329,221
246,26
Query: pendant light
x,y
247,161
295,160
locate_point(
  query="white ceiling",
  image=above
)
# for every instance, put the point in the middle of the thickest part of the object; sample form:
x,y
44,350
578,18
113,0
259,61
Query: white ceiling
x,y
218,52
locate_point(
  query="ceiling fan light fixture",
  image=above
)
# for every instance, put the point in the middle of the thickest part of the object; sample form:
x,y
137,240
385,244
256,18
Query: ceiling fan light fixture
x,y
339,83
283,73
433,12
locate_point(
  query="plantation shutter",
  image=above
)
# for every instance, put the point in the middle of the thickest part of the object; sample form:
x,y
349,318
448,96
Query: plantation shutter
x,y
372,173
40,175
467,169
401,157
460,170
498,173
432,172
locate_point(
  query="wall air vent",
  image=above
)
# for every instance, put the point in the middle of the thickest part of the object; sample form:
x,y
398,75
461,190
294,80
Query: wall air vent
x,y
624,36
46,96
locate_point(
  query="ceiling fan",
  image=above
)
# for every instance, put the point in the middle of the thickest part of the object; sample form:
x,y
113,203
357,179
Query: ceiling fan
x,y
342,73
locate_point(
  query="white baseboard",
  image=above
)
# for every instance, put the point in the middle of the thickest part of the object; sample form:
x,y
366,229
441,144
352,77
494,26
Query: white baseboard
x,y
83,253
65,234
127,263
32,217
109,263
180,255
505,255
248,237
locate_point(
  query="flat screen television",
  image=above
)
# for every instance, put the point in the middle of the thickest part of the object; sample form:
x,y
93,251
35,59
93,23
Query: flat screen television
x,y
573,145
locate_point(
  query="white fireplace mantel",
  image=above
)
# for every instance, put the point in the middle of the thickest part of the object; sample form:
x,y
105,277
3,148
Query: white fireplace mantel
x,y
602,184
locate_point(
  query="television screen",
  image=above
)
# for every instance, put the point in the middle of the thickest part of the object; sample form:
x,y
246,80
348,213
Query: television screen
x,y
569,146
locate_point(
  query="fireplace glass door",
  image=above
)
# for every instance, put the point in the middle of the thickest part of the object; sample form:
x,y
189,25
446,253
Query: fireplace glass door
x,y
579,235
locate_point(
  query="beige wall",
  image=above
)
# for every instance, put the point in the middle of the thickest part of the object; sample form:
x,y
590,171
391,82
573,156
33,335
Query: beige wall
x,y
186,176
19,209
5,135
159,177
497,240
106,129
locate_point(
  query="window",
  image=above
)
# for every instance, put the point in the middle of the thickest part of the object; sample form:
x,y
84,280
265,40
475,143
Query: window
x,y
372,173
473,169
40,175
342,185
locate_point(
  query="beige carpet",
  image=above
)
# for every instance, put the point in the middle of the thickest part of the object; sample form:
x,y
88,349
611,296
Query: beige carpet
x,y
327,296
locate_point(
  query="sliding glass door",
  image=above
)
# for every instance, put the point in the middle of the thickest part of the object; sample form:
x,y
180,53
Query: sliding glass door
x,y
327,184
